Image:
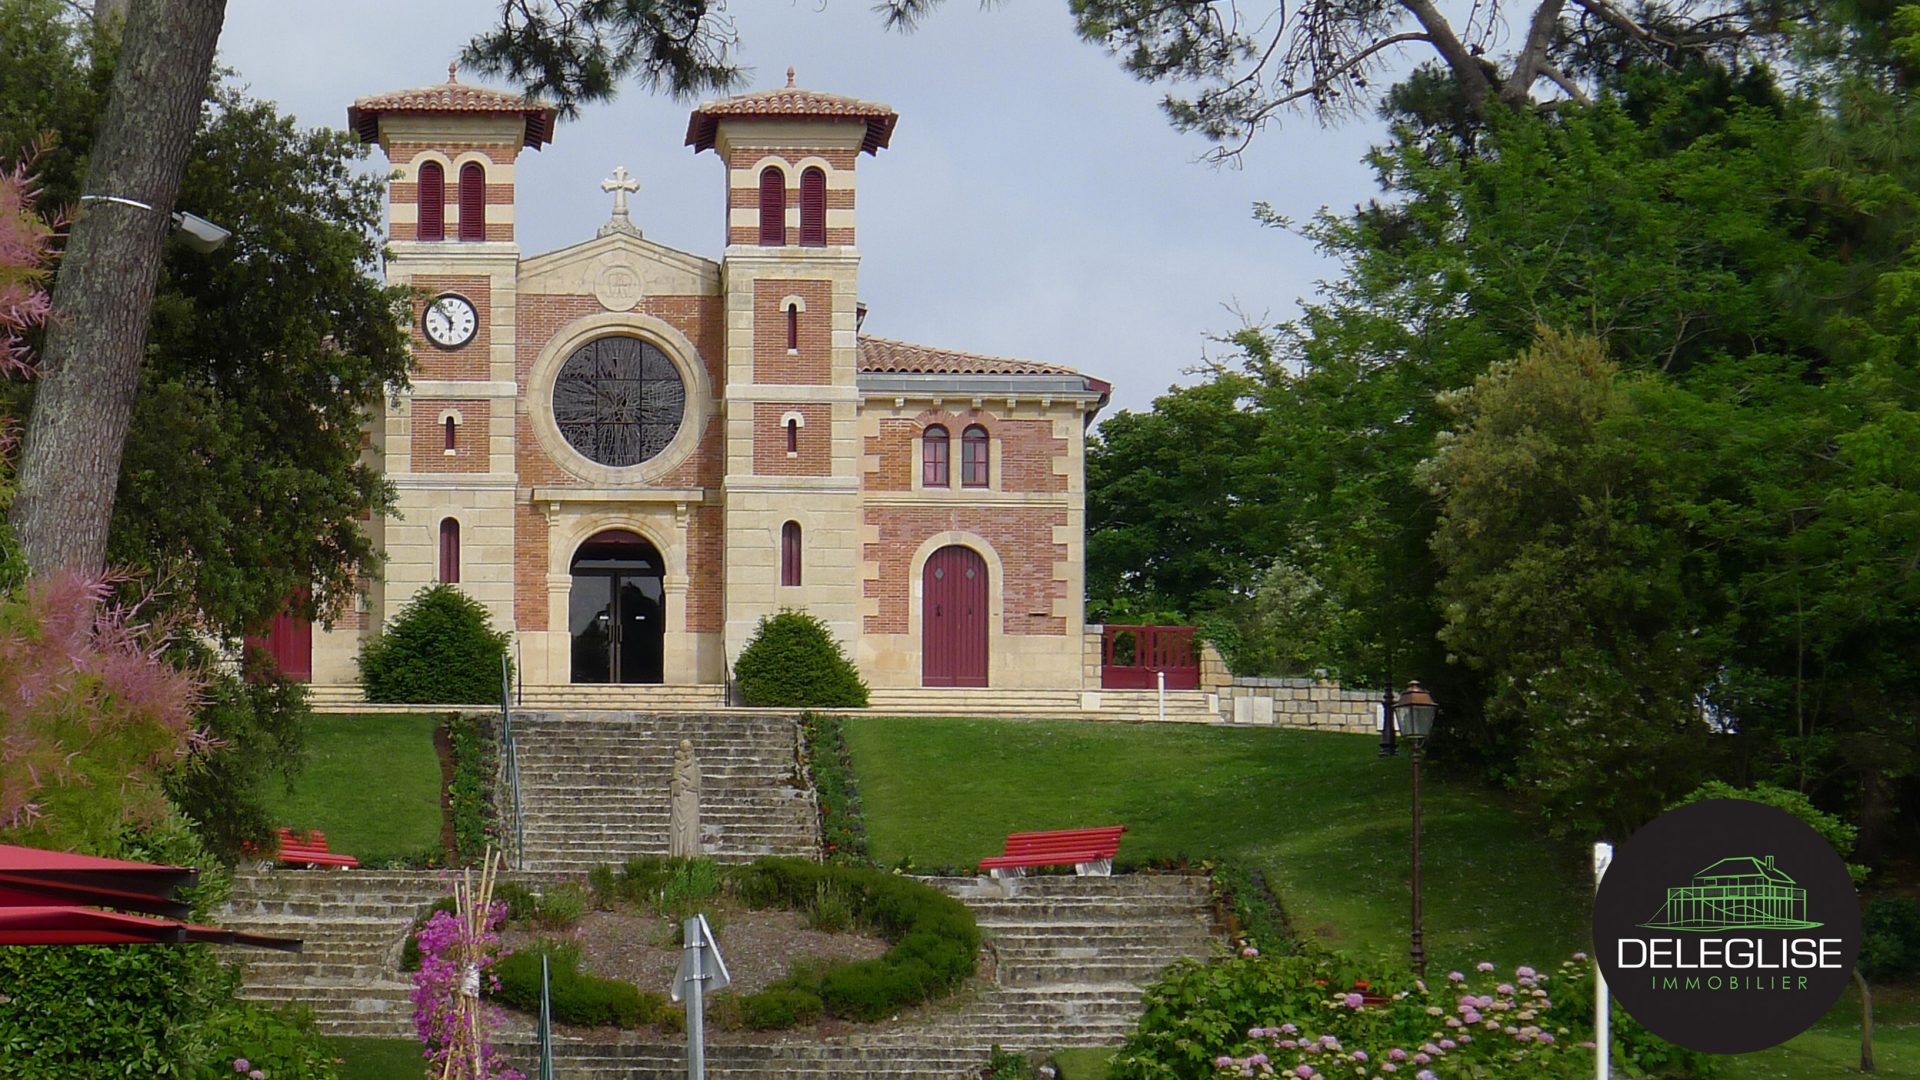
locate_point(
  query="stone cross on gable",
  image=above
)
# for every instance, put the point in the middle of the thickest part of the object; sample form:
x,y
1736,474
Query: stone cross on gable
x,y
619,184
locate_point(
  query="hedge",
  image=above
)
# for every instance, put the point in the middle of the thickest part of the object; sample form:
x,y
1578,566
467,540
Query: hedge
x,y
934,940
577,997
441,649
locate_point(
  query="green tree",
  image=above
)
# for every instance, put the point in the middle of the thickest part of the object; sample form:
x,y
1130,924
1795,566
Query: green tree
x,y
441,649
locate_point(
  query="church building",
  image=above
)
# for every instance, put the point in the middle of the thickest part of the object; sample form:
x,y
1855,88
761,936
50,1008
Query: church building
x,y
631,454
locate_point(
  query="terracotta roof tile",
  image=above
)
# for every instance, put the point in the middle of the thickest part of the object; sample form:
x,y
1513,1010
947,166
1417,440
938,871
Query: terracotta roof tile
x,y
451,97
884,355
792,101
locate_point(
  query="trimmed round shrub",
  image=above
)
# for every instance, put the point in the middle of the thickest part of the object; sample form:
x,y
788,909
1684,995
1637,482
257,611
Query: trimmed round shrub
x,y
441,649
577,997
780,1007
794,662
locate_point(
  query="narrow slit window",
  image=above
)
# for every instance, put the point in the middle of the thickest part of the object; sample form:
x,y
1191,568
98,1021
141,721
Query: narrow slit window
x,y
773,207
793,327
449,424
431,201
449,551
790,553
813,208
793,435
933,457
473,201
975,450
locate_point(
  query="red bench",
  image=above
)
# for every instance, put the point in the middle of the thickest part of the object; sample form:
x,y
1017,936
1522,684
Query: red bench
x,y
1089,851
310,849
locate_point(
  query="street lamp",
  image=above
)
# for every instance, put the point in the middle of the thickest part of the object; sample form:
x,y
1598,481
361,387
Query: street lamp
x,y
1414,712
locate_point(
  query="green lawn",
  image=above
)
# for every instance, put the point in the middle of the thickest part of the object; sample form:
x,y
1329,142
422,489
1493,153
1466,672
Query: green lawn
x,y
378,1059
1322,813
1832,1049
372,784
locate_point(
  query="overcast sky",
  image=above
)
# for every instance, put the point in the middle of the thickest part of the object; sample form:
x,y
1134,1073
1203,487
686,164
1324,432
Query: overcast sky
x,y
1034,202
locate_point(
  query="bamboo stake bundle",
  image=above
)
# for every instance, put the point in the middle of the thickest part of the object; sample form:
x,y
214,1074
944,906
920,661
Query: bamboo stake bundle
x,y
473,902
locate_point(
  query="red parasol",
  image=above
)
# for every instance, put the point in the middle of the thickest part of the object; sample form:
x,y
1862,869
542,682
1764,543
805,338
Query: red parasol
x,y
49,898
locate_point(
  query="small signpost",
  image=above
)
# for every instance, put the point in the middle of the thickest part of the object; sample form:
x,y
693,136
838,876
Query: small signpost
x,y
1602,998
702,971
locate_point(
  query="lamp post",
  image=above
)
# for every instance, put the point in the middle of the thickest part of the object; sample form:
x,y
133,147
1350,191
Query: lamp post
x,y
1415,711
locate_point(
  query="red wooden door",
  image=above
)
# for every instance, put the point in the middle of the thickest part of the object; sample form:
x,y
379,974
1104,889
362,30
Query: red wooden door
x,y
288,643
953,643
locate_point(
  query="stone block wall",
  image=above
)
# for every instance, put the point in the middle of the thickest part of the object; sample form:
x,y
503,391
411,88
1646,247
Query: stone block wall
x,y
1299,703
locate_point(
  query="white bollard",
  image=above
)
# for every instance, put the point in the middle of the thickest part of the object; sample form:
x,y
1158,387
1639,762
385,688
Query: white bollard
x,y
1161,678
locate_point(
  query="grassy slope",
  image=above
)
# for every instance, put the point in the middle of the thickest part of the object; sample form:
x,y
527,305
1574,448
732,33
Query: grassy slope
x,y
1322,813
1832,1049
372,784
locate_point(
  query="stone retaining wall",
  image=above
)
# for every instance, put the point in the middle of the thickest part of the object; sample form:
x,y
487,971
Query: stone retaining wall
x,y
1300,703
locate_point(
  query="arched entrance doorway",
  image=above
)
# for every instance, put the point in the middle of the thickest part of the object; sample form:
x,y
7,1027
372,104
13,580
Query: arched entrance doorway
x,y
953,638
617,610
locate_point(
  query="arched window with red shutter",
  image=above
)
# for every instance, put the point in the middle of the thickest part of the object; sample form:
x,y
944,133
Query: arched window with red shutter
x,y
431,201
790,553
933,457
813,207
449,551
974,451
473,201
773,207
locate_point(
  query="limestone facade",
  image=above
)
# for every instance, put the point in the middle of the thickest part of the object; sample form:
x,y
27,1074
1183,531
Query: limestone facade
x,y
779,415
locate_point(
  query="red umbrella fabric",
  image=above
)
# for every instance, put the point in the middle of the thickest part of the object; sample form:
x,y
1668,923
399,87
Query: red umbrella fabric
x,y
50,925
32,877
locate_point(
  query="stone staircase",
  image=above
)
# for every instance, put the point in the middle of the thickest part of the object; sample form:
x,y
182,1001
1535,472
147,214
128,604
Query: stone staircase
x,y
594,786
1064,961
353,923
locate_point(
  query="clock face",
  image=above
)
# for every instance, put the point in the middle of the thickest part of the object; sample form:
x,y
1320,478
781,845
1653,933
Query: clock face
x,y
450,321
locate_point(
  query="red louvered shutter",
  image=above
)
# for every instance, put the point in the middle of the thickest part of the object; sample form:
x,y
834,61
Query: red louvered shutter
x,y
813,208
432,203
473,201
773,208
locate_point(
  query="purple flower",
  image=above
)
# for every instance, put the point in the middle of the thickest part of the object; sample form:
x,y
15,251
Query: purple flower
x,y
241,1065
1454,976
1397,1054
1354,1001
1544,1039
1223,1062
1425,1074
257,1074
1249,951
1303,1071
1525,972
1359,1055
1289,1029
1483,967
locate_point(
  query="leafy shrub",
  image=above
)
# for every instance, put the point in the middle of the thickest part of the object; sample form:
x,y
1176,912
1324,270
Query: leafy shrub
x,y
284,1044
475,753
934,938
1834,830
560,907
1007,1065
794,662
1254,912
577,996
1212,1019
842,825
777,1008
1890,938
441,649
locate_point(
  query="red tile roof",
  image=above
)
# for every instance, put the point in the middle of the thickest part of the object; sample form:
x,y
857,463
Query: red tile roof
x,y
791,101
451,97
886,356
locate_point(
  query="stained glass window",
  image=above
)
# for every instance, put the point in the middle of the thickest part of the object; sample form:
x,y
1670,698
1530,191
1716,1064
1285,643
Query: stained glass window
x,y
619,400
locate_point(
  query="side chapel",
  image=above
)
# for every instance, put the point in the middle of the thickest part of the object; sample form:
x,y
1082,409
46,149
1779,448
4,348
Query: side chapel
x,y
630,454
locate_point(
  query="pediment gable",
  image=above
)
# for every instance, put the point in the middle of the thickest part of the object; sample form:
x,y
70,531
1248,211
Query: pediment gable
x,y
619,268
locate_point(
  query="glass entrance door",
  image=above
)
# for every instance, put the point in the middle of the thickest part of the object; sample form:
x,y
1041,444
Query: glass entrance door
x,y
617,611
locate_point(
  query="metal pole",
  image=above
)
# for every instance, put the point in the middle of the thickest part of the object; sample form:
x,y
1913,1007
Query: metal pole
x,y
1388,739
692,938
1602,997
1161,678
1419,945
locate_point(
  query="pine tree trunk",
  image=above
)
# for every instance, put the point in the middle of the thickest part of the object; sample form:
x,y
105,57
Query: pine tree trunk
x,y
70,465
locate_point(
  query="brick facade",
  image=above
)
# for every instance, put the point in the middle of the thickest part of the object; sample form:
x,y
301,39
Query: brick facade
x,y
529,567
815,435
1029,456
1022,537
812,362
469,361
471,436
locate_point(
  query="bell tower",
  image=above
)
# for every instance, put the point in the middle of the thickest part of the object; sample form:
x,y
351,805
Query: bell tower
x,y
448,444
790,284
